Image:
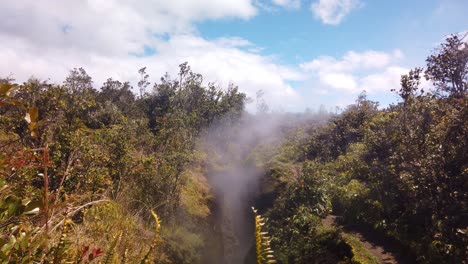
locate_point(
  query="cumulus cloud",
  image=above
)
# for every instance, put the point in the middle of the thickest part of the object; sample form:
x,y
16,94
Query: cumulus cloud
x,y
353,60
219,60
341,81
332,12
373,71
115,38
110,27
384,80
111,39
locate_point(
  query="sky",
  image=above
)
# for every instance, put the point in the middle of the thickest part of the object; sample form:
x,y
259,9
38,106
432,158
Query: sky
x,y
300,53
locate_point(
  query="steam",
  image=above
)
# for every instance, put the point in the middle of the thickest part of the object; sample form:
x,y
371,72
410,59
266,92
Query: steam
x,y
234,176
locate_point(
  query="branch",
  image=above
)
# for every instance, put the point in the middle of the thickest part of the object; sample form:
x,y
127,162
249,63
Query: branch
x,y
74,211
65,174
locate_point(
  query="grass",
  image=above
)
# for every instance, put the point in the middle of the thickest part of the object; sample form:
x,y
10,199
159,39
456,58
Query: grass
x,y
360,254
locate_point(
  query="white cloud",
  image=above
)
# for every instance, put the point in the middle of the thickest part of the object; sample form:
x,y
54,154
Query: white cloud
x,y
113,26
341,81
218,60
353,60
373,71
384,80
288,3
50,37
332,12
223,60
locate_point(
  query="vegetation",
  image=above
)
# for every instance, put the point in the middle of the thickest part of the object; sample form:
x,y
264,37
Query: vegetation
x,y
262,241
401,170
83,170
101,161
360,254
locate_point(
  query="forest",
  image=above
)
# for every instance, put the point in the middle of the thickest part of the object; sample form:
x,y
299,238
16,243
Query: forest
x,y
169,172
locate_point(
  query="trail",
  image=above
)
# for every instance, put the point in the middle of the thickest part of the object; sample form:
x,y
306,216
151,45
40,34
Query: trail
x,y
385,250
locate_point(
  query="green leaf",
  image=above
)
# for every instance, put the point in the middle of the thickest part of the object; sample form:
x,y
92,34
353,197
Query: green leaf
x,y
32,205
24,241
13,208
12,204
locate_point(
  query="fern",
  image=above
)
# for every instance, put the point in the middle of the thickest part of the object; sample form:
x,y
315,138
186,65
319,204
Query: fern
x,y
60,251
262,241
155,240
111,252
125,256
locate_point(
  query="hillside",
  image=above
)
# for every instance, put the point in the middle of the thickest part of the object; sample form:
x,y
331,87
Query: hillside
x,y
102,175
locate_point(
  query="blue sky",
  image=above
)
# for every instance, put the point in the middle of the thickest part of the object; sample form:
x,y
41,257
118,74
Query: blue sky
x,y
302,54
295,35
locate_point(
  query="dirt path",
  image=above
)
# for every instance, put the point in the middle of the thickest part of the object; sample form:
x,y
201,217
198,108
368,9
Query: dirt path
x,y
385,251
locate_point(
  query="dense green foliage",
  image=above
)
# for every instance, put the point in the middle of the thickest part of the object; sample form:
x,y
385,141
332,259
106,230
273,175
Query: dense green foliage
x,y
105,158
402,170
81,170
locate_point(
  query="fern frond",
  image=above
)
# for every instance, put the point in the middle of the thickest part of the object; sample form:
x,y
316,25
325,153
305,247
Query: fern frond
x,y
262,241
111,251
155,240
125,256
60,251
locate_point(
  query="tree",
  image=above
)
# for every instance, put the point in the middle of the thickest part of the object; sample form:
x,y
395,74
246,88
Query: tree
x,y
448,67
409,84
143,82
78,81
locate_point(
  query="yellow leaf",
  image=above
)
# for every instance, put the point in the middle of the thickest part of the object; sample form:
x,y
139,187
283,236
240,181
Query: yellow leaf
x,y
33,114
5,89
